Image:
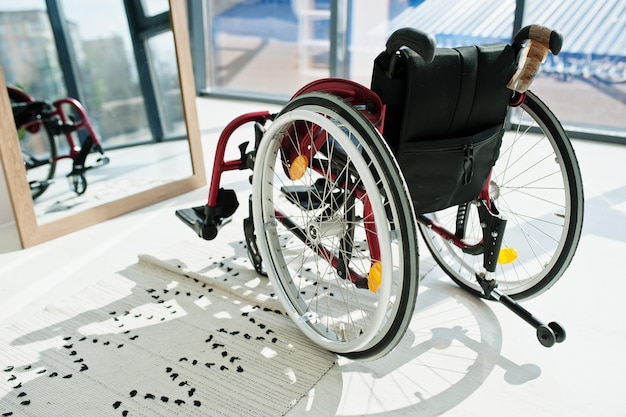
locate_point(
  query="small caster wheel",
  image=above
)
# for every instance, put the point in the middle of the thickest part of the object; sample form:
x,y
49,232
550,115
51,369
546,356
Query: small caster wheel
x,y
546,336
78,183
559,332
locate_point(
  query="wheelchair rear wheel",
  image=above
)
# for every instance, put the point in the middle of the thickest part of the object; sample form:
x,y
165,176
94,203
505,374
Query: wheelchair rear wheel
x,y
38,152
537,186
335,227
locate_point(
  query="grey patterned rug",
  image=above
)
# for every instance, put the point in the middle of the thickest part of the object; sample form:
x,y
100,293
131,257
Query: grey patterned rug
x,y
188,332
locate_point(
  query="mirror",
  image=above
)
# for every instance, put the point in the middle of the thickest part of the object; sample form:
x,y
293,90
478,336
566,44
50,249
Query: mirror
x,y
154,150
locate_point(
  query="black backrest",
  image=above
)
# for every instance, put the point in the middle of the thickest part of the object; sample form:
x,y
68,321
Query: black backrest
x,y
27,112
462,92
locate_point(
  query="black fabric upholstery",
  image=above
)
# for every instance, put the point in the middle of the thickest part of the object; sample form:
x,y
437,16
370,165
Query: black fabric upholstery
x,y
444,119
460,93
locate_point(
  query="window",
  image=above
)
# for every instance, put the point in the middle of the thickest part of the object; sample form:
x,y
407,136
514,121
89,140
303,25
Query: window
x,y
271,48
585,85
28,58
107,71
122,68
267,48
167,86
155,7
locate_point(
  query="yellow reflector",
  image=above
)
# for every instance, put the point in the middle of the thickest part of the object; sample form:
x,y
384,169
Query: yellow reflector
x,y
298,167
507,255
373,278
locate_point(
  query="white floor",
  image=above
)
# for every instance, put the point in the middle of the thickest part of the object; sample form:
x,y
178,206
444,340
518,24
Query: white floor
x,y
130,171
461,356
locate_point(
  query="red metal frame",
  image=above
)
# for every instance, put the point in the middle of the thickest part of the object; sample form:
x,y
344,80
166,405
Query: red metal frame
x,y
219,164
372,107
83,123
59,111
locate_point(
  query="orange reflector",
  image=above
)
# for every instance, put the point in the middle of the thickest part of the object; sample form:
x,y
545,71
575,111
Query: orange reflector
x,y
374,277
298,167
507,255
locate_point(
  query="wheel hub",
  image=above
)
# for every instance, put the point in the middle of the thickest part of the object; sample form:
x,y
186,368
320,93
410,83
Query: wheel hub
x,y
320,229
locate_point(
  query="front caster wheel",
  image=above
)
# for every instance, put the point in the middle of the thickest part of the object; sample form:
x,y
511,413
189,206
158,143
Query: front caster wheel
x,y
78,183
546,336
559,332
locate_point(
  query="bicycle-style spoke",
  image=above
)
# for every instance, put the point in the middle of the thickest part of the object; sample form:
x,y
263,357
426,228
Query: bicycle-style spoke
x,y
536,186
326,231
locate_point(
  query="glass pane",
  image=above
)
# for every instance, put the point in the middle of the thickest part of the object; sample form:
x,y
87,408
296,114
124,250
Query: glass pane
x,y
27,49
452,22
268,47
162,55
585,85
155,7
107,70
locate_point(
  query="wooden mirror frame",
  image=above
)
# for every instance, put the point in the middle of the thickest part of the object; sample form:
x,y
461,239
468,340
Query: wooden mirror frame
x,y
32,233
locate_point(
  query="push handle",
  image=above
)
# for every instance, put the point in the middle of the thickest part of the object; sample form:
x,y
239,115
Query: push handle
x,y
542,40
420,42
552,39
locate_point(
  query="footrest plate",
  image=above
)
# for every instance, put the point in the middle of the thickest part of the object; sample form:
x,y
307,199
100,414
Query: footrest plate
x,y
306,197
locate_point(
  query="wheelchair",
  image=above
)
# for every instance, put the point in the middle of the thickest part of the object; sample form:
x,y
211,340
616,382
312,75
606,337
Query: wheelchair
x,y
447,142
39,123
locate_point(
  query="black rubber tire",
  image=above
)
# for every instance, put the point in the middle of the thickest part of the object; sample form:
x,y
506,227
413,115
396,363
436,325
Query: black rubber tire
x,y
366,160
